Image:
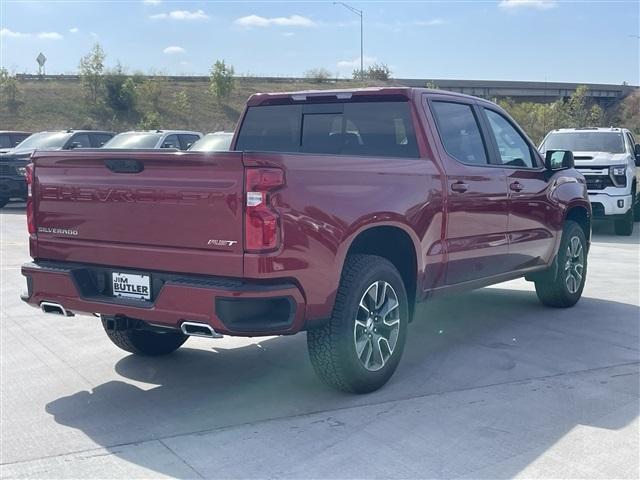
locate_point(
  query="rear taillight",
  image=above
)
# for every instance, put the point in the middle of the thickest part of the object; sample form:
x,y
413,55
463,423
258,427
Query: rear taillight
x,y
262,224
31,221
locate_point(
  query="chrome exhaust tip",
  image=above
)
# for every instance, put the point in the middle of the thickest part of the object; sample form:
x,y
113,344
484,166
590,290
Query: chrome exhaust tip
x,y
197,329
55,308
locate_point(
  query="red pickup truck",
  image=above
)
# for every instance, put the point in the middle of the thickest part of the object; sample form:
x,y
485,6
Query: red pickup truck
x,y
335,213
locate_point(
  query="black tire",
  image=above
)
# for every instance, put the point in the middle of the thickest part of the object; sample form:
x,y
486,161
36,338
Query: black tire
x,y
143,342
624,226
553,288
332,347
636,207
3,201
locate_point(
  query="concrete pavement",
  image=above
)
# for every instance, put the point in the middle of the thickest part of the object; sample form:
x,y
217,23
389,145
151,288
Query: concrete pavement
x,y
492,385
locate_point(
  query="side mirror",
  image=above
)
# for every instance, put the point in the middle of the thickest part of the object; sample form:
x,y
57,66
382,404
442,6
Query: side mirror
x,y
75,145
636,150
558,160
167,145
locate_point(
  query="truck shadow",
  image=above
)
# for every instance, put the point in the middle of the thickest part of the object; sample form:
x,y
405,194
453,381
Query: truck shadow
x,y
490,337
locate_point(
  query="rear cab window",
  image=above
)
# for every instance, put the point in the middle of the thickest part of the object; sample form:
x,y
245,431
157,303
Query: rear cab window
x,y
5,141
362,128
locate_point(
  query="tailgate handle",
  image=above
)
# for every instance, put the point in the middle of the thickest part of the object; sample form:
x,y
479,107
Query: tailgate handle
x,y
124,166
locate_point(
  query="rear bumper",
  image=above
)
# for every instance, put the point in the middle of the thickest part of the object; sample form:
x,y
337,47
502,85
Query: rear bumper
x,y
231,307
13,187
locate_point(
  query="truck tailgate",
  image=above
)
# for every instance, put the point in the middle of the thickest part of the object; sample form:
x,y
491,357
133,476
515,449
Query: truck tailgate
x,y
169,211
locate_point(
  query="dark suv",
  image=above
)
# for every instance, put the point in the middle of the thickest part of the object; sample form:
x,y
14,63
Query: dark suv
x,y
13,161
11,139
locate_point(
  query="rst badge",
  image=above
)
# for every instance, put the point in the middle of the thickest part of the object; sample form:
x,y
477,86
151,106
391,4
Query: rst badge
x,y
221,243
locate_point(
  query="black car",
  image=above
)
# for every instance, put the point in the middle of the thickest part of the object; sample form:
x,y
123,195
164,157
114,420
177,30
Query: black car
x,y
11,139
13,161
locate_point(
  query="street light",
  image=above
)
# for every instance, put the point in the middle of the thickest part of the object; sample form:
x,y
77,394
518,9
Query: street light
x,y
359,13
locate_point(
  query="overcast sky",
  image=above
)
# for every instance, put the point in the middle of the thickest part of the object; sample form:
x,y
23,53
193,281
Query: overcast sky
x,y
490,40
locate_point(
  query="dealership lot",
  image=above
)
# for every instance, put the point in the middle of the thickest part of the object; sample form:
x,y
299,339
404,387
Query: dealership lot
x,y
492,385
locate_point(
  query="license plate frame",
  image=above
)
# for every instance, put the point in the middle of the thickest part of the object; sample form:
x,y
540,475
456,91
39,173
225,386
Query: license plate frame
x,y
131,286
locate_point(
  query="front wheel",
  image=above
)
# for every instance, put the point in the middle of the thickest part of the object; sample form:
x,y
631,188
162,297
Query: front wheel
x,y
359,348
562,286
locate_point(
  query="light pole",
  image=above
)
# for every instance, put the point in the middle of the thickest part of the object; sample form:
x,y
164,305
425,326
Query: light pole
x,y
359,13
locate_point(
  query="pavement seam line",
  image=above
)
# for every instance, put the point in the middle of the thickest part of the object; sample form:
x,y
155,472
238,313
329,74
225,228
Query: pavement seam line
x,y
319,412
191,467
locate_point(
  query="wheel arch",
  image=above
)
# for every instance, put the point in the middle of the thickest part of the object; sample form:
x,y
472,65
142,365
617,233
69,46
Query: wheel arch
x,y
582,216
398,245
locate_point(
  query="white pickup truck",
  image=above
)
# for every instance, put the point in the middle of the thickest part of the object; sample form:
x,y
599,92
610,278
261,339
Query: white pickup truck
x,y
609,158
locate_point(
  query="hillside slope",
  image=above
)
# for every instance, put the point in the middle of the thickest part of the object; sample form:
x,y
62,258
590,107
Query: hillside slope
x,y
54,104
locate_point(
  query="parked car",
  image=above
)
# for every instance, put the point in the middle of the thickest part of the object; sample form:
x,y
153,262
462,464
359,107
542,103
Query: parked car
x,y
336,212
609,158
10,139
213,142
13,162
153,139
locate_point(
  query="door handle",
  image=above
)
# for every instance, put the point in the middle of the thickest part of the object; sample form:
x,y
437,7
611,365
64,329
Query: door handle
x,y
516,186
459,187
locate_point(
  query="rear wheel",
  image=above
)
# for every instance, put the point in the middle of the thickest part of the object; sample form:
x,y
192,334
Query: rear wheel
x,y
359,348
562,286
127,335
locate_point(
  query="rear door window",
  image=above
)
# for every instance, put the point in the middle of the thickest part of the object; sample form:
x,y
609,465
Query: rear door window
x,y
460,132
80,140
99,139
187,140
378,129
171,141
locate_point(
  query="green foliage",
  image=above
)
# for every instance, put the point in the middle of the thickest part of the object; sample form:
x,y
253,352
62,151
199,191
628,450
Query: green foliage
x,y
150,94
629,113
181,103
150,121
221,81
377,71
318,75
9,89
539,118
91,68
120,90
432,85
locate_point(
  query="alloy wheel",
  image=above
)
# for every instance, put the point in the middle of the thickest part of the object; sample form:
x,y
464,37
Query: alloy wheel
x,y
377,325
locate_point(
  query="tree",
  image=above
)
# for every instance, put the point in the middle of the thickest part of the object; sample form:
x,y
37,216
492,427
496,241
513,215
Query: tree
x,y
377,71
150,92
91,68
150,121
432,85
629,112
221,80
9,89
120,90
318,75
181,104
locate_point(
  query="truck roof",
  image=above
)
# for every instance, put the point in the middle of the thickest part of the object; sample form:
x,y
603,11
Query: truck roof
x,y
345,94
589,129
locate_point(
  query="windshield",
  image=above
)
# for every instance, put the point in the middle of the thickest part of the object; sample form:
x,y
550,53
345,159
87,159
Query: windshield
x,y
133,140
44,140
611,142
212,142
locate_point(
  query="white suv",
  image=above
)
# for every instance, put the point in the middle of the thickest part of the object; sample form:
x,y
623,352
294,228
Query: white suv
x,y
609,159
178,139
